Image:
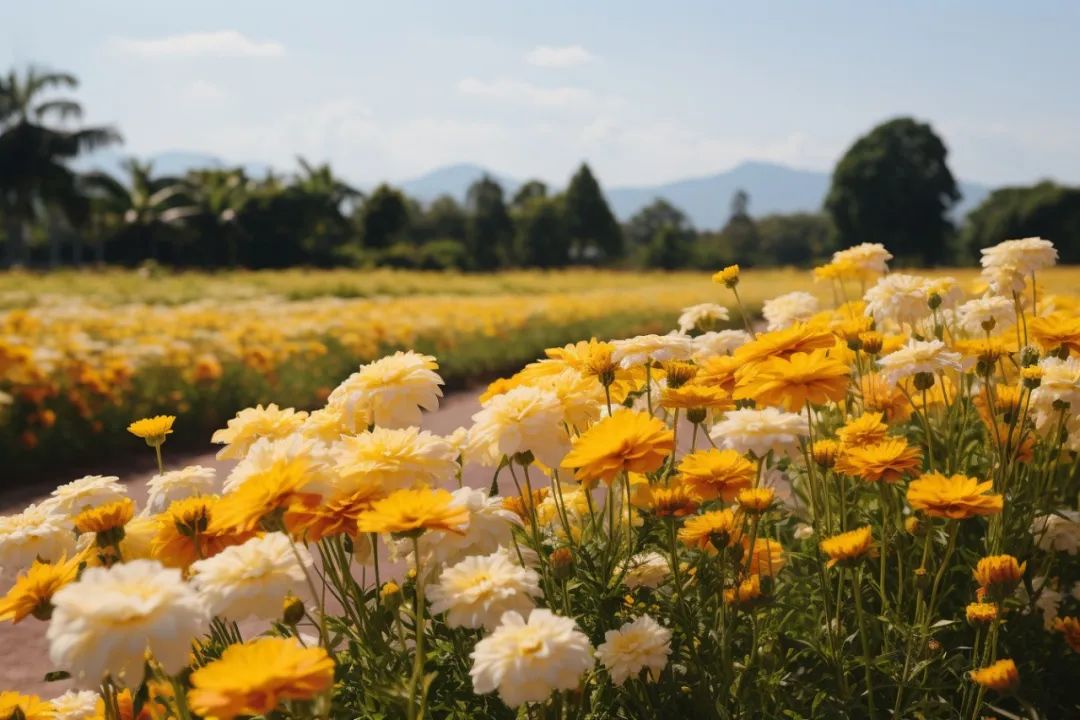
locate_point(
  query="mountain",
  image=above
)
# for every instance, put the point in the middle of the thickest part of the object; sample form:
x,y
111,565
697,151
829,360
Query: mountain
x,y
773,188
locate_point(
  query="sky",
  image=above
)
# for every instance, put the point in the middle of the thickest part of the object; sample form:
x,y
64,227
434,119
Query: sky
x,y
646,92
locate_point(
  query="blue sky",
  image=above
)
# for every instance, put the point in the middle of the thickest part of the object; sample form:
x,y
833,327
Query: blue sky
x,y
645,91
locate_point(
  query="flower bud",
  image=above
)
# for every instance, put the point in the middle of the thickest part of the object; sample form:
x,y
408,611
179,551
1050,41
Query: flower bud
x,y
562,563
292,610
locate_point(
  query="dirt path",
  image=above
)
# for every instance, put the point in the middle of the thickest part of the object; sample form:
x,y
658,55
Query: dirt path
x,y
24,654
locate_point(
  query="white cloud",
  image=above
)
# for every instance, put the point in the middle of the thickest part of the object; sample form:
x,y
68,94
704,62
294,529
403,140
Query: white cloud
x,y
222,43
525,93
551,56
204,91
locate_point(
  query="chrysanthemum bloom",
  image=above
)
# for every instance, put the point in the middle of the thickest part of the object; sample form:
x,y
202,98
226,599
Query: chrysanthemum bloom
x,y
179,484
153,429
645,349
33,590
251,424
791,383
579,395
729,276
745,593
719,343
477,591
703,317
825,452
785,310
528,661
760,431
871,342
846,548
694,396
674,500
766,557
15,705
887,461
801,337
880,395
1057,331
392,391
1070,627
999,574
982,315
39,531
266,453
490,528
628,441
77,495
649,570
867,429
868,258
394,459
899,298
1025,256
755,500
712,474
106,621
410,512
958,497
918,357
105,518
981,613
255,677
524,420
75,705
184,533
276,488
1058,531
643,644
710,531
253,578
1001,676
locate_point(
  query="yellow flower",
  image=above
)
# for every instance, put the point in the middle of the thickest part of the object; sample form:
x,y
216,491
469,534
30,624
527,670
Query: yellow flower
x,y
999,574
675,500
709,531
879,395
756,500
793,382
824,452
867,429
1056,331
334,516
848,547
104,518
1070,626
766,557
981,613
729,276
887,461
746,593
185,532
33,590
25,707
693,396
408,512
712,474
958,497
253,678
1002,676
871,342
799,338
266,491
153,429
628,441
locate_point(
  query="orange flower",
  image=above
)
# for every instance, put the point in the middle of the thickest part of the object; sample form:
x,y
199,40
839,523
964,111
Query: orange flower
x,y
712,474
846,548
958,497
693,396
792,382
1070,626
766,558
887,461
999,573
709,531
628,441
1056,331
867,429
186,532
1002,676
675,500
408,512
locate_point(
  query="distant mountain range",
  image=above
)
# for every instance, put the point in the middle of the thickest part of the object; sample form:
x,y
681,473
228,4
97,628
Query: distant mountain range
x,y
773,188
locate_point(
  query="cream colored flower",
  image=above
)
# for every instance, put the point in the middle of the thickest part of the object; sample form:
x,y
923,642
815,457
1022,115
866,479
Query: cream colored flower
x,y
1025,256
252,579
265,453
759,431
490,528
580,396
705,316
107,620
981,315
478,590
636,646
179,484
642,349
649,570
899,298
524,419
38,532
393,459
723,342
252,424
868,258
528,661
785,310
918,356
1058,532
393,391
75,705
89,491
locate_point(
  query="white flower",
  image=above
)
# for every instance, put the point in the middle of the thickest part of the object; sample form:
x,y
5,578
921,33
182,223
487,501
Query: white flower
x,y
179,484
479,589
787,309
36,532
636,646
990,312
252,424
701,317
106,621
870,258
524,419
1060,384
642,349
902,299
646,570
1058,532
1004,280
527,661
723,342
252,578
1025,256
89,491
759,430
918,356
75,705
391,392
580,396
1048,601
266,452
490,528
803,531
393,459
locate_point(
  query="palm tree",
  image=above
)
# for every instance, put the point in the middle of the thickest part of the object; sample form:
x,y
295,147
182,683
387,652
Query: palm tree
x,y
141,206
33,173
320,180
220,196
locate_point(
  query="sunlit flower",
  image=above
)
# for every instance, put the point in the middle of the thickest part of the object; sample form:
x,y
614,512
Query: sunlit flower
x,y
523,420
713,473
881,396
756,500
393,391
627,441
33,590
760,431
106,517
651,348
812,378
801,337
1057,331
987,313
672,500
478,590
274,489
703,317
640,645
848,547
869,258
74,705
766,557
17,706
184,532
649,570
1058,532
407,512
490,528
77,495
1001,676
710,531
251,424
721,342
886,461
867,429
526,661
918,357
394,459
825,452
728,276
37,532
999,572
899,298
745,593
179,484
296,449
692,396
1026,256
958,497
981,613
153,429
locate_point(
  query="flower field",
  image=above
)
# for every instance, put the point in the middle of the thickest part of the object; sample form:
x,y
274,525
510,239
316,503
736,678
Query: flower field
x,y
864,505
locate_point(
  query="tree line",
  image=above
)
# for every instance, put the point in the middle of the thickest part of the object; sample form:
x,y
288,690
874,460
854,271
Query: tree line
x,y
892,186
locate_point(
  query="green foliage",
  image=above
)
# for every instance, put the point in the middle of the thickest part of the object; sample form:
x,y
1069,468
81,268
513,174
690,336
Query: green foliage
x,y
542,237
1045,210
798,239
595,234
384,217
489,233
893,186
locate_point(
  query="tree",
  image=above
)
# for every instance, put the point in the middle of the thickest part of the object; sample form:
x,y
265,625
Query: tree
x,y
528,191
1047,210
384,217
444,219
642,228
738,241
669,249
801,239
219,196
541,232
594,232
894,186
33,173
490,232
